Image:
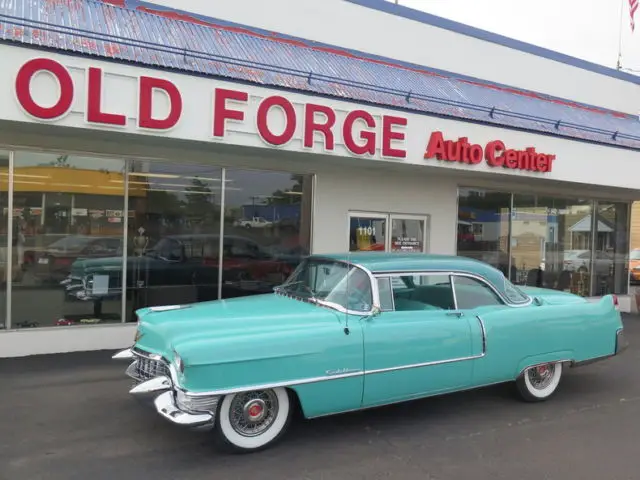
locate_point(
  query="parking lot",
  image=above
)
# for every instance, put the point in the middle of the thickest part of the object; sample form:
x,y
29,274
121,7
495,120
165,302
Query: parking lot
x,y
70,417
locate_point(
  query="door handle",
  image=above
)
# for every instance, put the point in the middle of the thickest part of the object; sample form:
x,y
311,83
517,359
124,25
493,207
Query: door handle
x,y
455,314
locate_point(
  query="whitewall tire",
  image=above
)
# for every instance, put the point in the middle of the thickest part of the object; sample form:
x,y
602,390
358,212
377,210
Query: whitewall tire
x,y
252,421
539,383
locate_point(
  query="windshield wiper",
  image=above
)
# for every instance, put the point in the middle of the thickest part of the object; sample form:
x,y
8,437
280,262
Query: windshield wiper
x,y
301,282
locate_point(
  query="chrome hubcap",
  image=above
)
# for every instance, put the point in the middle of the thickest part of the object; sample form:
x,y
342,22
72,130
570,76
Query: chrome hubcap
x,y
541,376
253,413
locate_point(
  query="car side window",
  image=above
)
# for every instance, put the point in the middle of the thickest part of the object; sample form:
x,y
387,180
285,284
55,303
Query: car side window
x,y
423,293
386,294
472,293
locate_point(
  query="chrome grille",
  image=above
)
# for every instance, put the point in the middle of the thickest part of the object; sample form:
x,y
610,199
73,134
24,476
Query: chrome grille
x,y
143,369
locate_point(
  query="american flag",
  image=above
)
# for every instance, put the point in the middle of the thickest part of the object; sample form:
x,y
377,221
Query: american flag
x,y
633,6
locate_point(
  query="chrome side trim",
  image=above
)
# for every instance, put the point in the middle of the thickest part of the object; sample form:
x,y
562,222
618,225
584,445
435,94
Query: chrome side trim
x,y
423,364
325,378
484,335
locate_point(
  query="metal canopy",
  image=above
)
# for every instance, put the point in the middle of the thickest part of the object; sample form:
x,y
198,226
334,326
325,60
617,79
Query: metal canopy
x,y
163,38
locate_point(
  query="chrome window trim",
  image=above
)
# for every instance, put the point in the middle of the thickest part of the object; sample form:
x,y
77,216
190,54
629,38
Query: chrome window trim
x,y
506,301
453,290
393,300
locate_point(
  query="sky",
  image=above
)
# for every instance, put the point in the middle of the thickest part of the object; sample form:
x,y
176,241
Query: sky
x,y
587,29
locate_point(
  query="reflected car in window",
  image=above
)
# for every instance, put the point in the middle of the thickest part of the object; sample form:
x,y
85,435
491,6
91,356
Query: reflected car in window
x,y
186,262
53,263
360,330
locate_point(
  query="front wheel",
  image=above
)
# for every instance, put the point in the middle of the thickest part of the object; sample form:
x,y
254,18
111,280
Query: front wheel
x,y
538,383
252,421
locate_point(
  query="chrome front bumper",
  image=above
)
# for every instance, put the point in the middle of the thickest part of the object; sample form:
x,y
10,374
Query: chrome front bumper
x,y
154,377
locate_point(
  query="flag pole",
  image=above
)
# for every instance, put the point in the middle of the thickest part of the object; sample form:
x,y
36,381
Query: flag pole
x,y
619,64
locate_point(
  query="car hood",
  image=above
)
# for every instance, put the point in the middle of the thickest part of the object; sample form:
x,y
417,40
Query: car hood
x,y
552,297
101,264
195,328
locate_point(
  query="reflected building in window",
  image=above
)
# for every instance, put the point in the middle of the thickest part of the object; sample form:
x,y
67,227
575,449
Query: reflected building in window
x,y
575,245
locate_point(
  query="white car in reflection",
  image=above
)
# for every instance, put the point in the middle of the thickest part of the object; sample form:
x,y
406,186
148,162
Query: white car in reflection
x,y
579,260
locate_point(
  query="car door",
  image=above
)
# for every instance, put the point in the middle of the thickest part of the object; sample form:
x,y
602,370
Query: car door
x,y
420,344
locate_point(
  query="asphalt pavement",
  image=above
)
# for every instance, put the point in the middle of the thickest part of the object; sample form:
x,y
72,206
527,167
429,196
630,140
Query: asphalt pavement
x,y
70,417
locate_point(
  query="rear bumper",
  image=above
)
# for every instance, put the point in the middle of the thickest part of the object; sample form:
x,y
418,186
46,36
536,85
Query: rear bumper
x,y
155,383
621,342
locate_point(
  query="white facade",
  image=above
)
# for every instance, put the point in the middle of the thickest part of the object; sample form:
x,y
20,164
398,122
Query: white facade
x,y
401,181
420,43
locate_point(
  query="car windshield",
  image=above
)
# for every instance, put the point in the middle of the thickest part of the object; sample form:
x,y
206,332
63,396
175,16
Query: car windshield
x,y
635,255
513,293
70,243
331,283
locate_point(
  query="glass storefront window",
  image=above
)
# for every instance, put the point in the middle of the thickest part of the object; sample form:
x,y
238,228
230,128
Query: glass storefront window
x,y
611,248
483,227
551,242
575,245
68,215
173,234
267,229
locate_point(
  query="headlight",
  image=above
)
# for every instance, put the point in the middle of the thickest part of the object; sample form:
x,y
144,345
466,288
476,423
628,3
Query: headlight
x,y
177,360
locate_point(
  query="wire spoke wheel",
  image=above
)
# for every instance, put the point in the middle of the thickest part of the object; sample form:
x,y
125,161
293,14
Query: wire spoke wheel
x,y
539,382
252,413
253,420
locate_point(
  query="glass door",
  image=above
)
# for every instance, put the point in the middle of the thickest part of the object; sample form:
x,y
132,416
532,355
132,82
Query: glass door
x,y
368,232
408,233
384,232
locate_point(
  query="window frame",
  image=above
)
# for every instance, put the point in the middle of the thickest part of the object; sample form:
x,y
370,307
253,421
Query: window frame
x,y
499,297
503,298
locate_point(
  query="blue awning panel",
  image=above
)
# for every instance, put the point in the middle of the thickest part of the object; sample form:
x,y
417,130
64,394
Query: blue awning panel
x,y
132,31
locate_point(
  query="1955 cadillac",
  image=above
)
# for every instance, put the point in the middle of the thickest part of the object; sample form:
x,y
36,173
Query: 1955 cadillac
x,y
360,330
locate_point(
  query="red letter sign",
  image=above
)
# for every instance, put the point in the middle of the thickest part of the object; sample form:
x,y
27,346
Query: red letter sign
x,y
388,135
289,120
220,111
311,126
94,101
145,107
369,137
23,89
436,146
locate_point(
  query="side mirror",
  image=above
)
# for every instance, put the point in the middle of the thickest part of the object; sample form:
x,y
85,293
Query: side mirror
x,y
537,301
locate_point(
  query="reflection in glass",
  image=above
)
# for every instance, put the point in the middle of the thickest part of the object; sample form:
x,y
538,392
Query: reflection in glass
x,y
483,227
267,229
174,234
551,242
367,233
611,249
68,214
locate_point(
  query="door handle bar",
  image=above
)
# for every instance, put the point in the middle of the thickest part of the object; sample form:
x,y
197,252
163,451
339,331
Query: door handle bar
x,y
455,314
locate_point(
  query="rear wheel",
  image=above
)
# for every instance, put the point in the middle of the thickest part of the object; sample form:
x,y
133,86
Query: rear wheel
x,y
538,383
252,421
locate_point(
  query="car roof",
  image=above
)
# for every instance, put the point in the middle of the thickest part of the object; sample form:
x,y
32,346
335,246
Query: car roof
x,y
381,262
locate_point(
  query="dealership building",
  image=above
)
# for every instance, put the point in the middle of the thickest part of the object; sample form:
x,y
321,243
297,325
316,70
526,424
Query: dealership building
x,y
151,156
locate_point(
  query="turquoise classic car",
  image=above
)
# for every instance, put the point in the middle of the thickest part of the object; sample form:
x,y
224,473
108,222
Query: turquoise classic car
x,y
360,330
